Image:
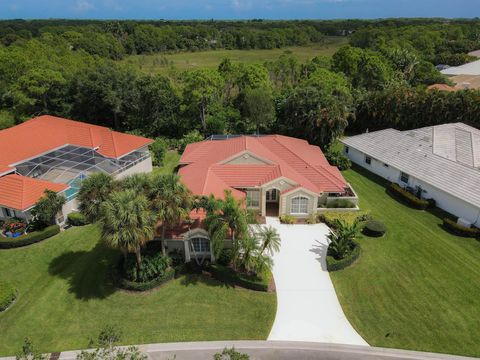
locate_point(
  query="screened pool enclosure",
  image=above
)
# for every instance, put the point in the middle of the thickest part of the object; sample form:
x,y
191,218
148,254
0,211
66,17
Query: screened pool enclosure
x,y
72,164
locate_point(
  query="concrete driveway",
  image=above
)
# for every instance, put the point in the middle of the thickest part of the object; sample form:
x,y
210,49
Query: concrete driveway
x,y
308,308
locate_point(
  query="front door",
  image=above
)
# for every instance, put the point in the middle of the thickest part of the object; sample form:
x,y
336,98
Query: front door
x,y
272,195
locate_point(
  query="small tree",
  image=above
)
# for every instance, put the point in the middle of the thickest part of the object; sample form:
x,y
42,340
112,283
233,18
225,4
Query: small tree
x,y
28,352
94,191
341,239
47,208
106,348
269,238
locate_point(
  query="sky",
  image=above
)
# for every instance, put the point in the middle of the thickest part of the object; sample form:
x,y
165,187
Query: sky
x,y
236,9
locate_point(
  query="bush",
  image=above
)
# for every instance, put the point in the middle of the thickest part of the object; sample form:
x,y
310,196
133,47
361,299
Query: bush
x,y
152,267
397,191
460,230
125,284
340,204
7,295
228,275
287,219
312,219
334,264
28,239
336,158
157,150
374,228
76,219
252,216
330,217
226,257
189,138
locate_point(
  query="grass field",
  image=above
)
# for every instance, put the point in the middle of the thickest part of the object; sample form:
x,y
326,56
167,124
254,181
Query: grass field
x,y
170,162
416,288
66,297
210,59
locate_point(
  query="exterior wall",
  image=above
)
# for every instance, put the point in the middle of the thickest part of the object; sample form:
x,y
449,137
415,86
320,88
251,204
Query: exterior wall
x,y
286,203
69,207
18,214
279,184
144,166
443,200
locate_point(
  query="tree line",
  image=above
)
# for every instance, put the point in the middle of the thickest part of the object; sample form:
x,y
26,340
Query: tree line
x,y
368,85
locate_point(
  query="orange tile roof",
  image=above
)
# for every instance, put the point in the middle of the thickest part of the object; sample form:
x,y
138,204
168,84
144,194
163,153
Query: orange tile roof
x,y
442,87
45,133
21,192
205,171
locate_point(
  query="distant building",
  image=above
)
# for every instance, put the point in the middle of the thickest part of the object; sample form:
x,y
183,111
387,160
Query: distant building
x,y
443,160
52,153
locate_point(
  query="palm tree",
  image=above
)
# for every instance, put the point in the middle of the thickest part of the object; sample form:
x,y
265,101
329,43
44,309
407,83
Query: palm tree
x,y
94,191
171,201
341,239
140,183
269,238
127,222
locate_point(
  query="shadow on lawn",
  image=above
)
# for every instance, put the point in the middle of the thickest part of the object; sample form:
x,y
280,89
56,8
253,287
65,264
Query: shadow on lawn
x,y
194,279
320,250
87,272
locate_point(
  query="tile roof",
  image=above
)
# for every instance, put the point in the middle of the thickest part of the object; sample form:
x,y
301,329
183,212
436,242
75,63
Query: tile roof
x,y
471,68
205,170
446,156
44,133
21,192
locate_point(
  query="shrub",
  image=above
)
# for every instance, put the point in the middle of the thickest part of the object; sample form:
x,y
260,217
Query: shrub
x,y
336,158
228,275
334,264
397,191
330,217
189,138
287,219
374,228
340,204
460,230
14,225
226,257
152,267
312,219
76,219
28,239
252,216
157,150
125,284
7,295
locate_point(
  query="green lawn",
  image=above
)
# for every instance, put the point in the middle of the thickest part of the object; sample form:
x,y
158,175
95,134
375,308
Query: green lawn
x,y
66,297
211,58
416,288
170,162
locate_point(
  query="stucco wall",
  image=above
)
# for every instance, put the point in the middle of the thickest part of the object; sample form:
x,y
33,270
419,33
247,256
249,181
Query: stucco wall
x,y
144,166
444,200
286,203
279,184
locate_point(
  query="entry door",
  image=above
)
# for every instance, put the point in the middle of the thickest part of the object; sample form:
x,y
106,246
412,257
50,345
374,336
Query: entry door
x,y
272,195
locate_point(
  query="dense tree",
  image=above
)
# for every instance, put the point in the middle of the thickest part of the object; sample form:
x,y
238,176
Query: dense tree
x,y
93,193
258,110
47,208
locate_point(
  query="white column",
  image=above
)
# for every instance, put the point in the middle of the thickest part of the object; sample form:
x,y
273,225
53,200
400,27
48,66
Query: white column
x,y
187,251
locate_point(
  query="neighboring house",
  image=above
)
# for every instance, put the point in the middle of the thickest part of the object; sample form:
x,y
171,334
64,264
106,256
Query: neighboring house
x,y
48,152
466,76
444,160
273,174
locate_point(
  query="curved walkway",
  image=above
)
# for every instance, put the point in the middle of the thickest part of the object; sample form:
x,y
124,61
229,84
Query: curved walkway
x,y
308,308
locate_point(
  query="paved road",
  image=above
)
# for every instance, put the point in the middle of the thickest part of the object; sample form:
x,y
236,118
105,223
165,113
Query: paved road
x,y
278,350
308,307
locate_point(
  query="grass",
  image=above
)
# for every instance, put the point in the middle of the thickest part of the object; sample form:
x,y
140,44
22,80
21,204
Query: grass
x,y
417,287
155,63
170,162
66,297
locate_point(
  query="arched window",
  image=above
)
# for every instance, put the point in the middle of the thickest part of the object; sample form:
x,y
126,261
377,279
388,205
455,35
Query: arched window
x,y
200,245
299,205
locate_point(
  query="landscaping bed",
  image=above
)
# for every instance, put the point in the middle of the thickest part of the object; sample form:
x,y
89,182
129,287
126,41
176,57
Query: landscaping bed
x,y
8,294
252,282
460,230
30,238
339,264
407,197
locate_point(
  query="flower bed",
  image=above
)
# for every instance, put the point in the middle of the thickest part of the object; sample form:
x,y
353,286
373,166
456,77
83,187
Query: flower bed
x,y
30,238
13,228
460,230
8,294
228,275
335,265
407,197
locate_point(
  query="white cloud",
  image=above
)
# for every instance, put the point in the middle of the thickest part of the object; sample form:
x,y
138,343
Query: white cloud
x,y
242,5
83,6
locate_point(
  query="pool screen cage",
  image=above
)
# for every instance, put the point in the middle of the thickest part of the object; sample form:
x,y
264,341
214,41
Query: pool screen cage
x,y
72,164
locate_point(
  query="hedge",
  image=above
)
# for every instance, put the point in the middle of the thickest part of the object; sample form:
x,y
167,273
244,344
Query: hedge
x,y
8,295
409,198
374,228
460,230
329,217
136,286
228,275
334,264
30,238
76,219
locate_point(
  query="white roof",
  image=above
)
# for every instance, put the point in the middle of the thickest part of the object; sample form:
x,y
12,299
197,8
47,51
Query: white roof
x,y
472,68
445,156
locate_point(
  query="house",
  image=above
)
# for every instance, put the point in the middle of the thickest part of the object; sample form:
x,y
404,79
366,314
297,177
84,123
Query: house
x,y
52,153
272,174
442,161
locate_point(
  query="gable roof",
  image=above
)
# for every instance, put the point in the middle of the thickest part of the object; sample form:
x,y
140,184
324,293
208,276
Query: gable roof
x,y
205,172
45,133
21,192
446,156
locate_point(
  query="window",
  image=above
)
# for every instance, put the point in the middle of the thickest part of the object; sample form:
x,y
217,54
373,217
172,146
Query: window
x,y
385,165
299,205
200,245
368,159
253,198
271,195
347,149
404,177
9,212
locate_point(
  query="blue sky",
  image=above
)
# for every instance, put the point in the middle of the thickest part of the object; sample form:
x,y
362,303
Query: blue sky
x,y
236,9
